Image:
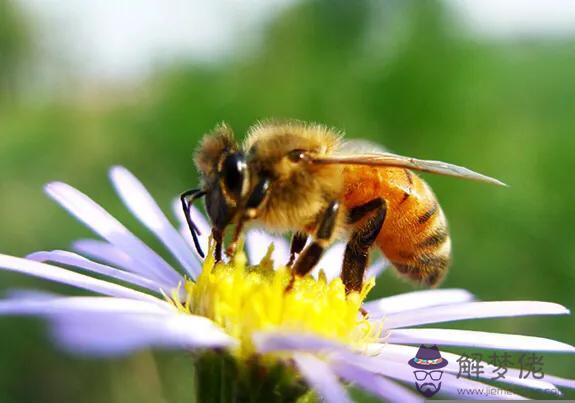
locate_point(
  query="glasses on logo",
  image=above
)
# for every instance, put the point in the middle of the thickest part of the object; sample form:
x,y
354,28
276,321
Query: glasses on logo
x,y
422,375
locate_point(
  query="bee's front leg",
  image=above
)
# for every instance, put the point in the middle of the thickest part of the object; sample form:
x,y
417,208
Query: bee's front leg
x,y
255,201
310,256
298,241
217,236
231,249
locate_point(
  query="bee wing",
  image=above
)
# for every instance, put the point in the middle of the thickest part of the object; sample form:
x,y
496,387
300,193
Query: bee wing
x,y
398,161
360,146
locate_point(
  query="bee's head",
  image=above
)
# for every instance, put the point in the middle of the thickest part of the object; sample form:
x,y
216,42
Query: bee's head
x,y
223,171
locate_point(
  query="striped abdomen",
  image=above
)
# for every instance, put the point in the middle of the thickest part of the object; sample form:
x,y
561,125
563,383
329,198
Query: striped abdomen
x,y
414,236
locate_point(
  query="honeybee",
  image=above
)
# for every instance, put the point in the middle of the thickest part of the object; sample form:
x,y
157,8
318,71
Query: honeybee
x,y
304,179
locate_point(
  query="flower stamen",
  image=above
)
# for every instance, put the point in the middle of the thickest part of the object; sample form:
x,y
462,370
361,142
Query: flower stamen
x,y
246,299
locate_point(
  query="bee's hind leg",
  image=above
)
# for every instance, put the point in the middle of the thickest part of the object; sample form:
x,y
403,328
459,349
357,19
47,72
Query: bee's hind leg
x,y
362,238
307,260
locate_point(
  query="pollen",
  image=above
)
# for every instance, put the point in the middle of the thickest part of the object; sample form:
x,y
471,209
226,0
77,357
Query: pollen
x,y
245,299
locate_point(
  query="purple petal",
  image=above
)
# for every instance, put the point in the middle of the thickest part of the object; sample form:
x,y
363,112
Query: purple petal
x,y
258,242
321,378
266,342
389,354
564,383
28,294
377,385
45,304
402,354
377,268
416,300
65,276
102,223
72,259
107,253
391,361
331,261
454,337
117,335
114,326
472,310
451,385
143,206
199,220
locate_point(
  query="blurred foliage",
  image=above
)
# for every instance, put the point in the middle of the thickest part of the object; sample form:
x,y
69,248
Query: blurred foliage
x,y
404,74
15,47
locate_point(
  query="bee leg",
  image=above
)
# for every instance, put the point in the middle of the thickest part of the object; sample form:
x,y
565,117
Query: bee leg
x,y
217,236
257,198
357,249
186,200
298,241
312,253
357,213
231,249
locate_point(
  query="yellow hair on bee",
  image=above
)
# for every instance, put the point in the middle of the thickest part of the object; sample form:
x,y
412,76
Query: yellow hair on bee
x,y
300,190
212,147
274,138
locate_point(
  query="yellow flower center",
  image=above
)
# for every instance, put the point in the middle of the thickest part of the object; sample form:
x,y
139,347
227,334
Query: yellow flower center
x,y
246,299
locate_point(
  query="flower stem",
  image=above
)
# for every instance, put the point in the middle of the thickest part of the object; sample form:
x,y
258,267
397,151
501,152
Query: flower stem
x,y
220,378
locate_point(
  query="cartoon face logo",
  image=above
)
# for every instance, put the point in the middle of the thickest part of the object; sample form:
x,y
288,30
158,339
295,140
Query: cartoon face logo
x,y
427,364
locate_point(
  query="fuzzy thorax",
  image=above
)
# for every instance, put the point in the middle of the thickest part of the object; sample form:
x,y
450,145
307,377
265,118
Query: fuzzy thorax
x,y
301,190
245,299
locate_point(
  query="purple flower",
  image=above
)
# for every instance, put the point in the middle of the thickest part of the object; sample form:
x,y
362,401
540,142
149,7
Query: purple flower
x,y
241,306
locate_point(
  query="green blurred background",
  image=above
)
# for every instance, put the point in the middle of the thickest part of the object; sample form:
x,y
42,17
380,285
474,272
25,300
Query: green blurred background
x,y
411,75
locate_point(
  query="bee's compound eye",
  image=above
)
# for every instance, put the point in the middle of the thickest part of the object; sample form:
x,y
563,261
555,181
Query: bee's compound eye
x,y
296,155
233,171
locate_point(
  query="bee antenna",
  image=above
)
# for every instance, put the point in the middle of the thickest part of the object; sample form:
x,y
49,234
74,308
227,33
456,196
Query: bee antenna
x,y
187,198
